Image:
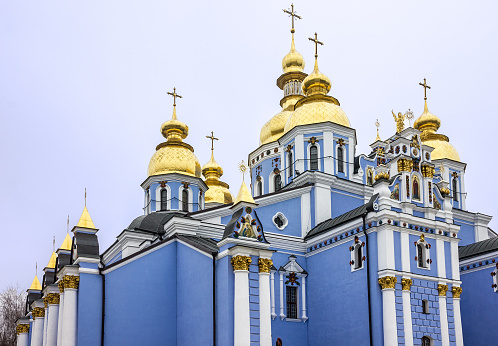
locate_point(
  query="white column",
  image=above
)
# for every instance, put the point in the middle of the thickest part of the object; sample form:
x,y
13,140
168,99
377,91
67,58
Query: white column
x,y
60,319
305,213
264,309
53,316
407,312
323,202
69,331
350,163
299,153
272,291
405,252
458,321
328,152
455,273
386,249
37,337
45,324
23,339
441,263
303,287
282,315
241,318
443,315
389,310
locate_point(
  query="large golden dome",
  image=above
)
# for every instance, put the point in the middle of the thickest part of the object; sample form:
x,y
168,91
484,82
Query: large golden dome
x,y
429,123
174,155
274,128
293,61
218,191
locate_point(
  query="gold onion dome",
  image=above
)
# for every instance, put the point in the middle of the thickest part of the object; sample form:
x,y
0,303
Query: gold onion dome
x,y
174,155
274,128
217,190
35,285
67,243
51,262
317,106
293,61
429,123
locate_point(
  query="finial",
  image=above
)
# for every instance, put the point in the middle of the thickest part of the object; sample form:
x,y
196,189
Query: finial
x,y
293,15
212,138
53,244
36,268
68,224
316,48
377,124
175,95
243,169
425,89
409,115
85,196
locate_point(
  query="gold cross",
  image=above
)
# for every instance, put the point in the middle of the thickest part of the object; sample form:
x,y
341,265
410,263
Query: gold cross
x,y
316,44
212,138
292,14
425,88
454,174
175,95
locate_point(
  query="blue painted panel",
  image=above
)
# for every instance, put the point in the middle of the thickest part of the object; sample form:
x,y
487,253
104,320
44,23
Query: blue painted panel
x,y
440,219
398,210
418,214
90,310
342,203
397,251
466,234
290,208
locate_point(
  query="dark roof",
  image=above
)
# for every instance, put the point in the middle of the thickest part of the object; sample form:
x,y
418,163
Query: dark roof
x,y
479,248
154,222
341,219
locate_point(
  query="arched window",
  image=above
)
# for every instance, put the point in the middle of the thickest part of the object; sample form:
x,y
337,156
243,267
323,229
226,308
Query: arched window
x,y
421,256
426,341
340,160
455,191
358,257
291,164
259,188
185,200
313,158
278,182
416,189
164,199
201,204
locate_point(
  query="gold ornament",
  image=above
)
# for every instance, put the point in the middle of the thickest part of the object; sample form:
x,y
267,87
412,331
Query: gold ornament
x,y
71,281
241,262
445,191
38,312
22,328
387,282
45,302
53,298
61,286
382,175
400,121
264,265
442,290
406,284
428,171
456,291
405,165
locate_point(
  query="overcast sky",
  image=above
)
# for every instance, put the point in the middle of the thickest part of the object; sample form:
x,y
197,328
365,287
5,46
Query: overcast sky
x,y
83,95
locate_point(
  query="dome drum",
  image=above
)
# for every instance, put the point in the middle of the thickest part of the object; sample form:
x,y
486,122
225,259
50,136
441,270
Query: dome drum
x,y
289,76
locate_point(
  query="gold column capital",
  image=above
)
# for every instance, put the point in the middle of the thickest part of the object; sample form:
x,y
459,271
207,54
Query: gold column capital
x,y
240,262
22,328
38,312
71,281
387,282
442,289
406,284
456,291
61,285
264,265
53,298
405,165
427,171
45,302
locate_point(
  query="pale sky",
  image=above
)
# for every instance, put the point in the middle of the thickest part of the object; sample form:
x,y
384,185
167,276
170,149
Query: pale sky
x,y
83,95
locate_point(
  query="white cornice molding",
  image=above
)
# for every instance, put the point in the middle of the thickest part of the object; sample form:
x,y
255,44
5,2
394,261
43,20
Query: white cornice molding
x,y
317,128
410,275
174,177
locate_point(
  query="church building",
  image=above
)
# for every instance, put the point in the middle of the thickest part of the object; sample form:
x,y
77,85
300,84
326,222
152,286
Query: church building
x,y
321,245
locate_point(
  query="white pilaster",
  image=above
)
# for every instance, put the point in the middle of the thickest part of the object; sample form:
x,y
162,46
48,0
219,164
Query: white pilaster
x,y
264,309
69,328
37,336
443,315
303,288
299,151
458,322
305,213
405,252
328,152
323,203
45,324
242,331
272,291
389,310
454,261
282,315
53,316
350,164
23,339
407,318
386,249
60,319
441,263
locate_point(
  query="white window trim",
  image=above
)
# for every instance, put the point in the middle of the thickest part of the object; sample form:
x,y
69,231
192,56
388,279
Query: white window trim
x,y
495,280
308,161
289,164
255,188
301,294
457,189
271,182
201,200
190,198
370,168
147,202
344,158
286,222
158,197
427,254
353,255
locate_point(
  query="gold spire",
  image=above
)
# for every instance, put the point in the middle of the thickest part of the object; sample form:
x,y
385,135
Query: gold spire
x,y
377,124
85,220
244,195
51,262
35,285
293,61
67,243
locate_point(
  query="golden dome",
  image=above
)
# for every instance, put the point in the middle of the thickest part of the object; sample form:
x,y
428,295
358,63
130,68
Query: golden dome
x,y
35,285
293,61
274,128
217,190
316,82
428,123
51,262
174,156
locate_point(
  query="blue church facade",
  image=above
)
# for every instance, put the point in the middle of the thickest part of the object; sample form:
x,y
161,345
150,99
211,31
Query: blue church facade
x,y
325,246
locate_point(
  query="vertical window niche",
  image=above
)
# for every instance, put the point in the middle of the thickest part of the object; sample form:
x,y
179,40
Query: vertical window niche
x,y
425,306
423,254
340,159
291,298
357,255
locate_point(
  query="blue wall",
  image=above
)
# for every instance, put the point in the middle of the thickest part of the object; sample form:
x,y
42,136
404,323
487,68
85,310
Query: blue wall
x,y
90,309
292,211
466,234
342,203
224,302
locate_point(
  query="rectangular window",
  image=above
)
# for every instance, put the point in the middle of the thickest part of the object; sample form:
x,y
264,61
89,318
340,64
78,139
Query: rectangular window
x,y
291,302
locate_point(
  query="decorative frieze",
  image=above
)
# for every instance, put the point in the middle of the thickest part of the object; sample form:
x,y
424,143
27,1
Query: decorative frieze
x,y
405,165
442,289
53,298
71,281
406,284
22,328
264,265
456,291
38,312
387,282
240,262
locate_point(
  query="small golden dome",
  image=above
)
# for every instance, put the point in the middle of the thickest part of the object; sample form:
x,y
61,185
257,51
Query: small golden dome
x,y
293,61
67,243
274,128
212,169
51,262
217,190
174,156
244,195
317,111
35,285
427,121
316,82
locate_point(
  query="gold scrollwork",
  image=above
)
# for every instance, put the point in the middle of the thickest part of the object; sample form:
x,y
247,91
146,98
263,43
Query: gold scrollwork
x,y
45,302
428,171
71,281
240,262
406,284
22,328
61,286
38,312
264,265
53,298
445,191
387,282
442,289
405,165
382,175
456,291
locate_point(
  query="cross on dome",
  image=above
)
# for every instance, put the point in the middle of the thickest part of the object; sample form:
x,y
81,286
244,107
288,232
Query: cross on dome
x,y
293,15
425,88
316,44
175,95
212,138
